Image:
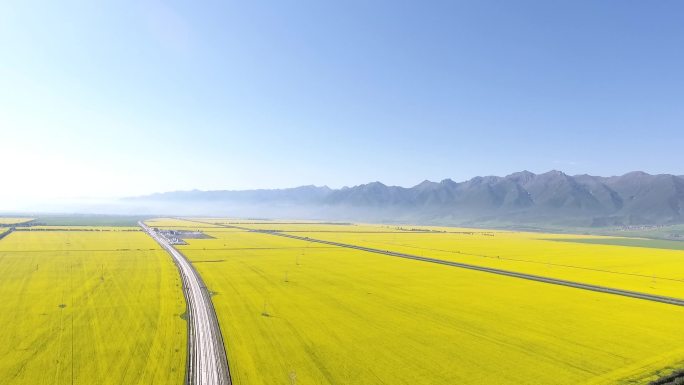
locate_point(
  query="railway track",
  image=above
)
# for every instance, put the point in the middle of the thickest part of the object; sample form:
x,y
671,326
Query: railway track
x,y
207,363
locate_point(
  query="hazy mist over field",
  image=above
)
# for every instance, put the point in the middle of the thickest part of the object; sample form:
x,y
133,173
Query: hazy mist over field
x,y
517,200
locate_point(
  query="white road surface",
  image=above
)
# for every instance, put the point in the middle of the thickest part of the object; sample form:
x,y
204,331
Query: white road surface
x,y
207,363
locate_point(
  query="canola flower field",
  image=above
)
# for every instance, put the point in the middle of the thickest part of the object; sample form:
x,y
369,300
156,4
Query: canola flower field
x,y
89,307
103,304
648,270
294,312
8,221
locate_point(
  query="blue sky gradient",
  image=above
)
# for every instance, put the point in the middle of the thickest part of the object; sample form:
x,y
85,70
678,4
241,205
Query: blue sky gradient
x,y
128,97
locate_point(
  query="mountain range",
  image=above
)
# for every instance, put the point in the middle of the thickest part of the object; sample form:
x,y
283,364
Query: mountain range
x,y
552,198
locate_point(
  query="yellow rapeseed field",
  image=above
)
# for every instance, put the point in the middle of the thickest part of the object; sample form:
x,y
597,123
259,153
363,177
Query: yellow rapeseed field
x,y
89,307
14,220
296,312
648,270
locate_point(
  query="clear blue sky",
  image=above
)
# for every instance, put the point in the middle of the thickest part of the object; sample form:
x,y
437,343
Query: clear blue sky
x,y
129,97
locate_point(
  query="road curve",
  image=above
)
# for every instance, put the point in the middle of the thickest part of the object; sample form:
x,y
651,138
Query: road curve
x,y
207,363
531,277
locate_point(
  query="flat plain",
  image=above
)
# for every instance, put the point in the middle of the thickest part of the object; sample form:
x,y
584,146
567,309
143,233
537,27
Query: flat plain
x,y
577,258
89,307
293,311
14,220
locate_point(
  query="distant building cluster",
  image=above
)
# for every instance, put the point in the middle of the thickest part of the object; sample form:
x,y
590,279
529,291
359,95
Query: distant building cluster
x,y
174,237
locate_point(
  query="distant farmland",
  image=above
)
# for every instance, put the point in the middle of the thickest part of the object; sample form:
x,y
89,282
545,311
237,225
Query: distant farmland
x,y
293,311
9,221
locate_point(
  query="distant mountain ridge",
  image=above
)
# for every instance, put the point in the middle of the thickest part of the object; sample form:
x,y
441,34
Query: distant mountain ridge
x,y
523,197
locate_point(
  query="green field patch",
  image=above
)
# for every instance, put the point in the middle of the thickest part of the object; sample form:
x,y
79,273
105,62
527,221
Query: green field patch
x,y
628,242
